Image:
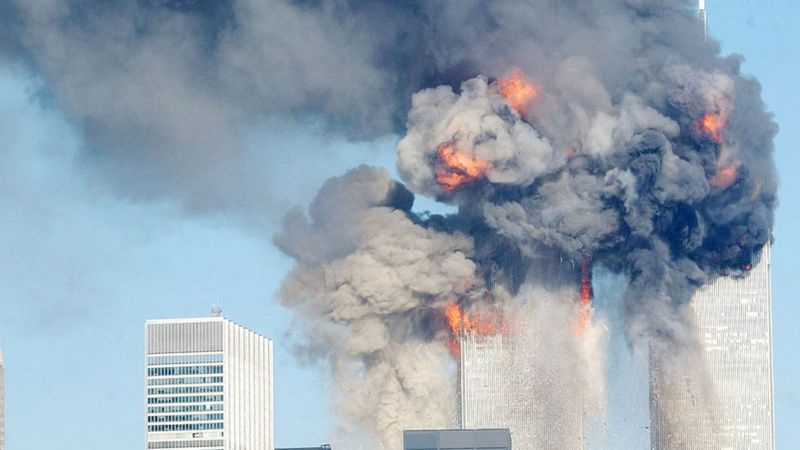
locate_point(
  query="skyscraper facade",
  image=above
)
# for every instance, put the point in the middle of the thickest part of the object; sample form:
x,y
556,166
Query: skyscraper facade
x,y
734,319
484,384
208,386
502,388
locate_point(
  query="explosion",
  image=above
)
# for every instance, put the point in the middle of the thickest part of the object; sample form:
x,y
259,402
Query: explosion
x,y
712,125
382,285
455,169
517,90
725,176
586,294
485,322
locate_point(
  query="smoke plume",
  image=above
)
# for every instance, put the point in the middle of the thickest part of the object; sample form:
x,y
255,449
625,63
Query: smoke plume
x,y
624,143
562,130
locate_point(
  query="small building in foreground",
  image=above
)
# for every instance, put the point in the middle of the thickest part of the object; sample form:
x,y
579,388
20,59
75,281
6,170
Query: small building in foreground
x,y
484,439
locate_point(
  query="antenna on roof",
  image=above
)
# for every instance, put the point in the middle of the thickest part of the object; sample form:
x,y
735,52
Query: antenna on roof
x,y
701,13
216,311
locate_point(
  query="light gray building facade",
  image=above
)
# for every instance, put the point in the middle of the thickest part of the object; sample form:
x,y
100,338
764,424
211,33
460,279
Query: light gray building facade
x,y
731,406
209,386
500,388
487,439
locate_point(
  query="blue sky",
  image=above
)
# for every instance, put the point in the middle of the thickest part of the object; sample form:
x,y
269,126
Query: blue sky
x,y
83,268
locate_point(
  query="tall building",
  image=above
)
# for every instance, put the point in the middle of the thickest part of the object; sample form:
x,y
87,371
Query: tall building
x,y
703,17
2,404
208,386
731,407
502,388
484,384
488,439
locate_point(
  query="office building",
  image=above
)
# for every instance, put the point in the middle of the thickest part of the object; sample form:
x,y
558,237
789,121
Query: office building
x,y
485,383
208,386
731,405
501,387
488,439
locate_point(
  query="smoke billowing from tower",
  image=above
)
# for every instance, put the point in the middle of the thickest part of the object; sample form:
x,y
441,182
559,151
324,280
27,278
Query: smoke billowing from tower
x,y
655,162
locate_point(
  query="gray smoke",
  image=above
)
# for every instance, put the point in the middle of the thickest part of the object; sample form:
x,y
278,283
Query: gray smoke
x,y
611,161
368,284
167,92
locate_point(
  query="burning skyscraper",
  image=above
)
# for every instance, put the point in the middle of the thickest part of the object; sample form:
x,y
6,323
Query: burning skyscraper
x,y
519,371
721,396
734,408
509,373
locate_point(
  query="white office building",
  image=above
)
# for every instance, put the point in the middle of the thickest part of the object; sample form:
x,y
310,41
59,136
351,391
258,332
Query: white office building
x,y
208,386
731,407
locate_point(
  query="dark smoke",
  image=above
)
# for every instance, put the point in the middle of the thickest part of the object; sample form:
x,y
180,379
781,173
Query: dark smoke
x,y
167,91
611,160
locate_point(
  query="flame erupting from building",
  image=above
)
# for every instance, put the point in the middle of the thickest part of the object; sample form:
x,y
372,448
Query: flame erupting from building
x,y
726,176
517,90
455,169
586,294
487,322
712,125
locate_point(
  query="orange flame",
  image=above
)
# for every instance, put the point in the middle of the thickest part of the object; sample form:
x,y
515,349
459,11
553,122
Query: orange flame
x,y
453,314
712,124
586,294
455,169
726,176
518,90
487,323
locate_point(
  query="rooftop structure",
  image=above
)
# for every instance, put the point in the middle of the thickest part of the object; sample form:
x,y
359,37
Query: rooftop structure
x,y
486,439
